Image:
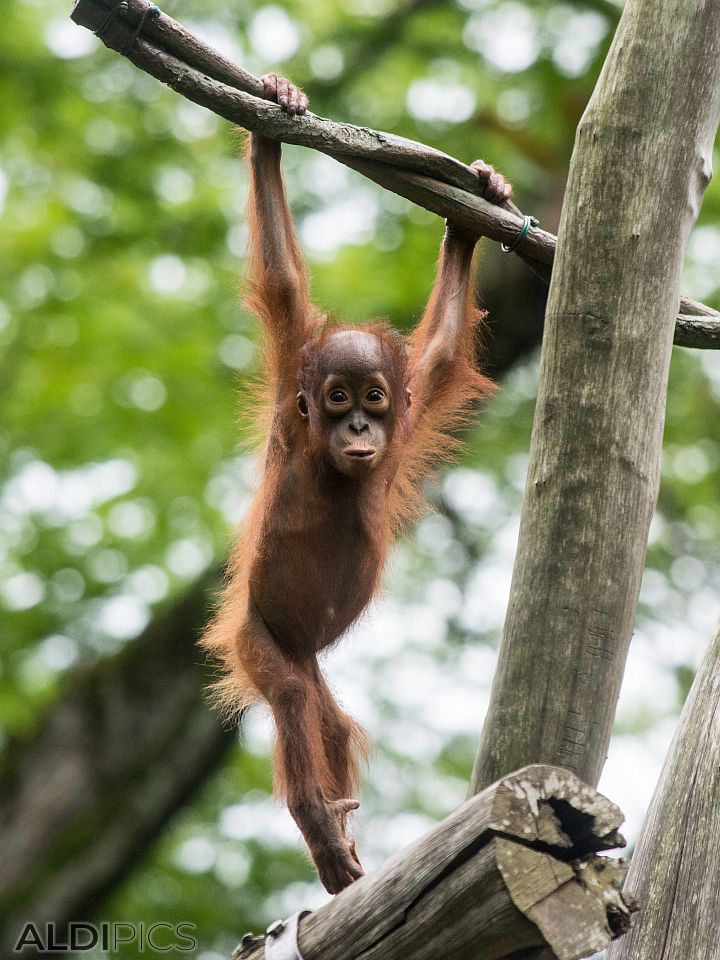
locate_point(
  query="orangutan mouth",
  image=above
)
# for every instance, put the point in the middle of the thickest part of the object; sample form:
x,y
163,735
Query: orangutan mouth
x,y
360,453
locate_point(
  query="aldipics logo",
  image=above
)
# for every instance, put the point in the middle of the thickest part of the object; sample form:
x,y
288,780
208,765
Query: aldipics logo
x,y
36,939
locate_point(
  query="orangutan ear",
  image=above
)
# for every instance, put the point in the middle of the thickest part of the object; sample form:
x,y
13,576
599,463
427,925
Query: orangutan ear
x,y
302,405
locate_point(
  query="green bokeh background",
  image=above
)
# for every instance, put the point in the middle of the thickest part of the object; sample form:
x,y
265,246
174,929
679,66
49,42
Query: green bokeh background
x,y
123,348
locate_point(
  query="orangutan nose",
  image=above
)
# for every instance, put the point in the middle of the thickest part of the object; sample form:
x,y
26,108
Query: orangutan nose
x,y
359,424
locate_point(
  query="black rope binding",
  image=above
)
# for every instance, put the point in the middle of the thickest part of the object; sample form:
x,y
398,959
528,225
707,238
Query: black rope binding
x,y
115,11
151,12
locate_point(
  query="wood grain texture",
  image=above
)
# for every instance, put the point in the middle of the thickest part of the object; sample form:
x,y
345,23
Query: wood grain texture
x,y
513,869
675,866
641,163
440,183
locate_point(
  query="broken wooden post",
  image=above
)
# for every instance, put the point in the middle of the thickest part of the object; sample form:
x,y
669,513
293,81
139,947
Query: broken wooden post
x,y
513,869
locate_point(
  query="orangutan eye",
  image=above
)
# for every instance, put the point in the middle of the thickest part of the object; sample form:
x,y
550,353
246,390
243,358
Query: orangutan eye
x,y
375,396
338,396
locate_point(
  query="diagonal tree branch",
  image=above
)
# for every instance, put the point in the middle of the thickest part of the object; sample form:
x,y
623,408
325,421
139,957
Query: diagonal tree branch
x,y
674,868
168,51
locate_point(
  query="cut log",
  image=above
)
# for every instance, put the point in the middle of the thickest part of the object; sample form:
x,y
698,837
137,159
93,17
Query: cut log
x,y
514,869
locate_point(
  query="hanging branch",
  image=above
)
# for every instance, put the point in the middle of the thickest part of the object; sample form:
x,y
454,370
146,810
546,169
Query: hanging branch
x,y
166,50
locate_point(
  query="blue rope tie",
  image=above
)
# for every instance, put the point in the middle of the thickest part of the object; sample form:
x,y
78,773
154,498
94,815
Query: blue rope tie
x,y
529,223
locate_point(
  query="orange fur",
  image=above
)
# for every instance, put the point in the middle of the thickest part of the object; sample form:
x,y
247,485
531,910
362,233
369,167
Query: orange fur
x,y
311,550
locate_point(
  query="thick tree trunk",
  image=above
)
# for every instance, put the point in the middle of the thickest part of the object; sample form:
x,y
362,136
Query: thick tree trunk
x,y
514,869
675,866
126,744
641,163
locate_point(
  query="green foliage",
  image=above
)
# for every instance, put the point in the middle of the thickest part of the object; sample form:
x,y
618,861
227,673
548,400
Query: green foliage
x,y
122,350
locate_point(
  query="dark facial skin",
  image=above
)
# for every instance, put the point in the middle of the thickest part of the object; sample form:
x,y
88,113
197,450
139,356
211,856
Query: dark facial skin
x,y
355,401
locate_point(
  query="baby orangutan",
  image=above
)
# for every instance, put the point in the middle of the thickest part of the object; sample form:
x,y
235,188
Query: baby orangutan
x,y
356,416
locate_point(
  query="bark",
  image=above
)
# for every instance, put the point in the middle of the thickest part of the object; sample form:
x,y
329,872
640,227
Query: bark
x,y
163,48
513,872
699,331
127,743
675,866
595,452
